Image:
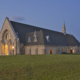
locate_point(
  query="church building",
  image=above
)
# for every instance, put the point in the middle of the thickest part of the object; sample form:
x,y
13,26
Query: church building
x,y
18,38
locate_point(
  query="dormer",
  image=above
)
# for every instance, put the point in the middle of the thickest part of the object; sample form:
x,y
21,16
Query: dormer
x,y
35,36
29,39
47,38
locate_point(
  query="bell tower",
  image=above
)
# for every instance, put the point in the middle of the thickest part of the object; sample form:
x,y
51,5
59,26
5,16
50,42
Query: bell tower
x,y
64,29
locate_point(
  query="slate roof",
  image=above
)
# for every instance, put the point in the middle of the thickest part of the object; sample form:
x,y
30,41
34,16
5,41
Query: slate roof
x,y
56,38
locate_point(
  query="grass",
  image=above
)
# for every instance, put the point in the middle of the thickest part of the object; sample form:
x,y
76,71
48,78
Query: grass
x,y
40,67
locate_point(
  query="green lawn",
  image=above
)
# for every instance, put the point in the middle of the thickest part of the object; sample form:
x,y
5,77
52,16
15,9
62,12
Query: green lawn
x,y
40,67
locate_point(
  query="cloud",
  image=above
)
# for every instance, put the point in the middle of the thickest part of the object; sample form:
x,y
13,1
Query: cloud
x,y
17,18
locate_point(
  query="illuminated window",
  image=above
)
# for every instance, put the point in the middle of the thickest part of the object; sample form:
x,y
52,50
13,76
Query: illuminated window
x,y
6,49
2,49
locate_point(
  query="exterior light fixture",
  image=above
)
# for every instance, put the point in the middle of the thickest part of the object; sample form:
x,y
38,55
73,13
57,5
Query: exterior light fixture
x,y
12,47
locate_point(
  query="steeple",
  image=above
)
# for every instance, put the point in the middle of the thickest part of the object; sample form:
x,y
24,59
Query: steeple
x,y
64,29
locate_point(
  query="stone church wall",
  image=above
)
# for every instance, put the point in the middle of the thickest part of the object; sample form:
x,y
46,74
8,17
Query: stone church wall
x,y
52,48
41,50
33,50
7,26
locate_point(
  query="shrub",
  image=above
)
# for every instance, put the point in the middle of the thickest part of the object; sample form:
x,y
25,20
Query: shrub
x,y
64,53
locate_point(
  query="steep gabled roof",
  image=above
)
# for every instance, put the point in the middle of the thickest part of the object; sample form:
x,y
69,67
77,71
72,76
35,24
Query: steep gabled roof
x,y
56,38
72,41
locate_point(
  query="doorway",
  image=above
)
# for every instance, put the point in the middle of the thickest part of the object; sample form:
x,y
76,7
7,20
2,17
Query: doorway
x,y
13,52
50,51
71,51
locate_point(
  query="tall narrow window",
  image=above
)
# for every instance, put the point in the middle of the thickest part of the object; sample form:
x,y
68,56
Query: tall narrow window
x,y
29,39
35,36
7,36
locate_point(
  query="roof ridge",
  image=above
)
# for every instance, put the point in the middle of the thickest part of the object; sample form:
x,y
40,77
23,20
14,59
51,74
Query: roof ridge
x,y
35,26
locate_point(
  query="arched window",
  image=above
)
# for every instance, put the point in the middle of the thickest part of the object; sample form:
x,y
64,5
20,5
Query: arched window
x,y
7,36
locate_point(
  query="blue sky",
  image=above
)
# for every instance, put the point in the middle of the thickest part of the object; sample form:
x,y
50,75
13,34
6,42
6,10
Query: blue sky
x,y
44,13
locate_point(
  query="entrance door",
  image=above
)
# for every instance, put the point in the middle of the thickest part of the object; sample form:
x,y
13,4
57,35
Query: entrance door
x,y
50,51
13,52
71,51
